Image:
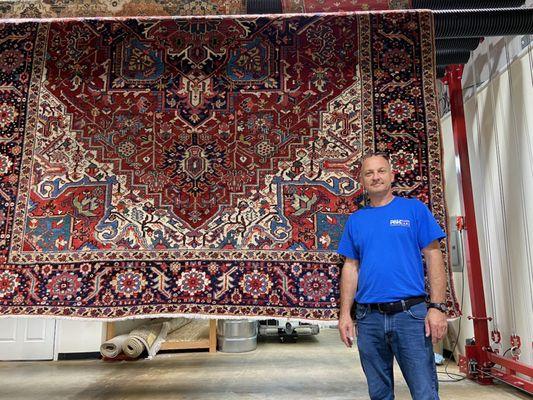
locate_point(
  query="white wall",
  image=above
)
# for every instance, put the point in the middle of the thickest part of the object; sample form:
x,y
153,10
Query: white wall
x,y
75,336
499,118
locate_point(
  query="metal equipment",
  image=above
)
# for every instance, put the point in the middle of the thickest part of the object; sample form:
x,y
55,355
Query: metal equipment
x,y
287,330
236,335
480,361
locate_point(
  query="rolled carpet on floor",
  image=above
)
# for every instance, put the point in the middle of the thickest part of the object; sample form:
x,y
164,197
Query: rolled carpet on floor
x,y
174,324
150,337
113,347
141,338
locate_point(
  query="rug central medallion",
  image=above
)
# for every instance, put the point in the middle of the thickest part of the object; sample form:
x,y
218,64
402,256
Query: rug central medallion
x,y
177,135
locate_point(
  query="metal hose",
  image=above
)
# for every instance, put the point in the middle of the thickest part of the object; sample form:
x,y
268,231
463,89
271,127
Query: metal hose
x,y
456,56
490,22
462,4
264,7
457,43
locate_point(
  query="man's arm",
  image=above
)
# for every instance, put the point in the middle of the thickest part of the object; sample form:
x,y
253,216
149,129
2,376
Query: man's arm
x,y
436,323
349,275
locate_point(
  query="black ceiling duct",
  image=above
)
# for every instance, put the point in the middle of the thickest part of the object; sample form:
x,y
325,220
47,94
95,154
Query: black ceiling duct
x,y
490,22
457,43
264,7
462,4
457,56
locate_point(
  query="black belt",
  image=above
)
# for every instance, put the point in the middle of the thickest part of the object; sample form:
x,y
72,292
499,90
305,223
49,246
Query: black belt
x,y
396,306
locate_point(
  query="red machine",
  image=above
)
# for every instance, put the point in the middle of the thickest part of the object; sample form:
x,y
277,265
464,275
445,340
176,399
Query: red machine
x,y
480,362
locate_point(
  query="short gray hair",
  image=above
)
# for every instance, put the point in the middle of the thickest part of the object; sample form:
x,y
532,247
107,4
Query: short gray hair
x,y
367,155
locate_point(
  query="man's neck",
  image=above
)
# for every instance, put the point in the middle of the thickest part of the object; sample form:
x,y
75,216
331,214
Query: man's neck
x,y
381,200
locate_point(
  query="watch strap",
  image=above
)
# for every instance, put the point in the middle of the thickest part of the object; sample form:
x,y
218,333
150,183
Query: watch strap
x,y
439,306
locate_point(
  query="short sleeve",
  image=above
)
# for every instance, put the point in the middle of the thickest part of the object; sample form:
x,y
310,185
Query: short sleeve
x,y
347,246
428,228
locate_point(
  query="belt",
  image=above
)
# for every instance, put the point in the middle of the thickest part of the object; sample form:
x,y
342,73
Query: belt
x,y
396,306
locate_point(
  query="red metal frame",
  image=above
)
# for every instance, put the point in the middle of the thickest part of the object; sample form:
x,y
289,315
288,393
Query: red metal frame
x,y
511,368
479,359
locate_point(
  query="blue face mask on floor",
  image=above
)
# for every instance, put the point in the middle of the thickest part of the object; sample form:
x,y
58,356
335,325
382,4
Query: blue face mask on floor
x,y
439,360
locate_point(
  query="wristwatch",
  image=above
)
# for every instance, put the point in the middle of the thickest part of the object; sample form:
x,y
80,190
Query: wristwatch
x,y
439,306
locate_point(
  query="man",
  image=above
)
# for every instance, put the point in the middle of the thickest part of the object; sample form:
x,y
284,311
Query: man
x,y
383,270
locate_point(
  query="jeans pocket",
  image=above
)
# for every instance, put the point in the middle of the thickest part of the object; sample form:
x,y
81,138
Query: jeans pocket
x,y
418,311
360,312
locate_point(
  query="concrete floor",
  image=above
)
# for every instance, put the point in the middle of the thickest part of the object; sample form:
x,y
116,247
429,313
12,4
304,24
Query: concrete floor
x,y
317,367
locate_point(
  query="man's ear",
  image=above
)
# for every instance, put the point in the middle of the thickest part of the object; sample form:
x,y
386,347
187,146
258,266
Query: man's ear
x,y
362,183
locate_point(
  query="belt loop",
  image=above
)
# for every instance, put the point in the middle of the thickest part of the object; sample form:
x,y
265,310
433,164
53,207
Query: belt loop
x,y
404,307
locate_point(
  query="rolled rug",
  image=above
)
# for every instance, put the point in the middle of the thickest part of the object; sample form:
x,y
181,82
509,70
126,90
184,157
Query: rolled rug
x,y
113,347
169,326
176,323
143,337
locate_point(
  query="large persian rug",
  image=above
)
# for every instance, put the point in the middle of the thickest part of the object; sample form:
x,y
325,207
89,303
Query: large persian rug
x,y
202,166
110,8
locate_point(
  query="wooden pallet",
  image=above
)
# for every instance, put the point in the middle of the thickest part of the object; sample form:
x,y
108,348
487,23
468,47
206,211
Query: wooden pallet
x,y
198,334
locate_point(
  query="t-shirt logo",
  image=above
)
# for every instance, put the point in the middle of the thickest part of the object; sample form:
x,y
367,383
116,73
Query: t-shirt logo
x,y
400,222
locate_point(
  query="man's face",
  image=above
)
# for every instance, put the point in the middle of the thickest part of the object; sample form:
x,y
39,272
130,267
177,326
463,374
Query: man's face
x,y
376,175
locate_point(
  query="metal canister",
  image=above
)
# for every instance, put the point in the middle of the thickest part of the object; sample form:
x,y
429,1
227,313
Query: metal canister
x,y
236,335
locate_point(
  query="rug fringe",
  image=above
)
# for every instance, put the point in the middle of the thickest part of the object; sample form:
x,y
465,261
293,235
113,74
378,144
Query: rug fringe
x,y
321,323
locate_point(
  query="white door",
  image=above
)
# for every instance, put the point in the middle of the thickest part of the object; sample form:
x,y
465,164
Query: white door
x,y
27,338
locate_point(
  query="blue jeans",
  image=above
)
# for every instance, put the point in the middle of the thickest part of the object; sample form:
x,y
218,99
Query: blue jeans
x,y
402,335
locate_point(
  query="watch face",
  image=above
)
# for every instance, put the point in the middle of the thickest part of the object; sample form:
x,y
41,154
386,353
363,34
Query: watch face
x,y
438,306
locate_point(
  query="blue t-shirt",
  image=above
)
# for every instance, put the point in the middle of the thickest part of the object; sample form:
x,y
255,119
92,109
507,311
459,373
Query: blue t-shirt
x,y
387,241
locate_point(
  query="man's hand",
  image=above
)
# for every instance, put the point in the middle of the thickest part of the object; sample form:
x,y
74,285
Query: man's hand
x,y
436,325
347,330
349,277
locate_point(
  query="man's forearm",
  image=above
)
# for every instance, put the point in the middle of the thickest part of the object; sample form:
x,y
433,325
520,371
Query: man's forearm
x,y
436,275
436,325
349,278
